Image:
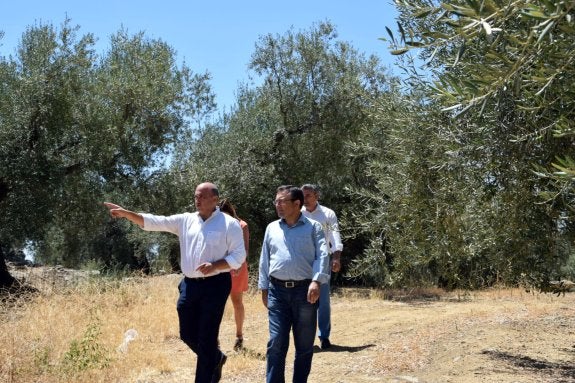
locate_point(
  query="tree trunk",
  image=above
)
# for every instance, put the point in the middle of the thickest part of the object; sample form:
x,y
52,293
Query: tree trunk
x,y
6,279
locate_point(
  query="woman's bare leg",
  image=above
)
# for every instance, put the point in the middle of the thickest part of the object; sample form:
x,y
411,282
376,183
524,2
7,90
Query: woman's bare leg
x,y
239,313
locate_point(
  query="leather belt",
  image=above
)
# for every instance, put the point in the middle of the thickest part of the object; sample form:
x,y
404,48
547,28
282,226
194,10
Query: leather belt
x,y
290,284
203,278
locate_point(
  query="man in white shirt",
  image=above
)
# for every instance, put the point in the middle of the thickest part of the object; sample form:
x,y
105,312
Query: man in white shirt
x,y
211,244
312,209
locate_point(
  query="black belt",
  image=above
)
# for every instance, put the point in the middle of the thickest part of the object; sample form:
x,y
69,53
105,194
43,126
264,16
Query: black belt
x,y
204,278
290,284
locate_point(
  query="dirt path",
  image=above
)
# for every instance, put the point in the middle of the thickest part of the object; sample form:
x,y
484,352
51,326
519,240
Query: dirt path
x,y
501,336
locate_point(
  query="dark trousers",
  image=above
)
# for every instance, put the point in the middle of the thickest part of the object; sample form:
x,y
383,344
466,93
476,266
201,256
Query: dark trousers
x,y
200,311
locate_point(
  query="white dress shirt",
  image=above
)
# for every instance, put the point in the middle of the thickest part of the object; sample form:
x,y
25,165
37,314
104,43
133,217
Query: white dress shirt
x,y
328,220
218,237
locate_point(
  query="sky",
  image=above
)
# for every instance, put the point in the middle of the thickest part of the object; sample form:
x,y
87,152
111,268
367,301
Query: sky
x,y
212,36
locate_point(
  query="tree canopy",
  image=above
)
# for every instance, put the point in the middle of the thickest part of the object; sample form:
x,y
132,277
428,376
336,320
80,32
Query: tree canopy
x,y
459,174
76,128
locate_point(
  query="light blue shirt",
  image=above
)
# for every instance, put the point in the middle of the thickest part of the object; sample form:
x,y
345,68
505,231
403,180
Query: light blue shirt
x,y
294,253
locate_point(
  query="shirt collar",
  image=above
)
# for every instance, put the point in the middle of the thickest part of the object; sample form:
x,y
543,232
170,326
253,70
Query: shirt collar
x,y
300,221
214,213
314,210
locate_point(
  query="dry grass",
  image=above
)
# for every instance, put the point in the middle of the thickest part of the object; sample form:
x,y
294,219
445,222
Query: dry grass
x,y
42,330
72,333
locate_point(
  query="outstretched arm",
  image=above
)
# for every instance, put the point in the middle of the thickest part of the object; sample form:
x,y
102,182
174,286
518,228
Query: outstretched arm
x,y
117,211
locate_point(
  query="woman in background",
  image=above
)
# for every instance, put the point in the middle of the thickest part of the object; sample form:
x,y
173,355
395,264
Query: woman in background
x,y
239,277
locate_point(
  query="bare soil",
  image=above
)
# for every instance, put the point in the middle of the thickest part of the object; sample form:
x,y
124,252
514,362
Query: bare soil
x,y
500,335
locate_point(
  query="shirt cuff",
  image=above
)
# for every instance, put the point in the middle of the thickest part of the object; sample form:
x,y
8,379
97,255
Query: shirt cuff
x,y
321,278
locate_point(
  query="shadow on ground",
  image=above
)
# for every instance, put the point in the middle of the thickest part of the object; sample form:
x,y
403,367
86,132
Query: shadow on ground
x,y
250,353
338,348
564,370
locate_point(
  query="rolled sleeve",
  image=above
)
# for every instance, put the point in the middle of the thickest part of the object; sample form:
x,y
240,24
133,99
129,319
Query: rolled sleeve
x,y
335,239
236,248
264,267
321,262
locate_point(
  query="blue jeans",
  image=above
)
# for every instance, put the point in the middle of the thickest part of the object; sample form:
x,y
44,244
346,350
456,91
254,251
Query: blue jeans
x,y
289,309
324,312
200,311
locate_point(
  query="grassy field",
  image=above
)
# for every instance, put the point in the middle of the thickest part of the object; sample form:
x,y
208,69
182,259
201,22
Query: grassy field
x,y
74,332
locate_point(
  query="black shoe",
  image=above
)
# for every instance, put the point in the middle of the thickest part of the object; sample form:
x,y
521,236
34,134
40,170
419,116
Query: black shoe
x,y
325,343
218,370
239,344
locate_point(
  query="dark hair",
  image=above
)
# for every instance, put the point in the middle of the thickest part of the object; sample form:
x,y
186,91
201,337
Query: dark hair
x,y
296,194
314,188
227,207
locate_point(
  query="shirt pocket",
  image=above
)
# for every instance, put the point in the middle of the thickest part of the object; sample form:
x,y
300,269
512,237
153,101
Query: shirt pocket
x,y
303,246
214,238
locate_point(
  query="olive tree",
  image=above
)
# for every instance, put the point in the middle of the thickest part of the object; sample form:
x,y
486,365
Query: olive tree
x,y
498,79
77,128
313,95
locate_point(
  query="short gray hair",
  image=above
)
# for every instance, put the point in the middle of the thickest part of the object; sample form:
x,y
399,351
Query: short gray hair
x,y
314,188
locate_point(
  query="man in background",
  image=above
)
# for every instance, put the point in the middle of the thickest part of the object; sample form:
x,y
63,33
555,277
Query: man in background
x,y
312,209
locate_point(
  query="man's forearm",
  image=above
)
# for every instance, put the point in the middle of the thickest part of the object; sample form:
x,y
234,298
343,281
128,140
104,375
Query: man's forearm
x,y
221,264
336,256
118,211
133,217
336,261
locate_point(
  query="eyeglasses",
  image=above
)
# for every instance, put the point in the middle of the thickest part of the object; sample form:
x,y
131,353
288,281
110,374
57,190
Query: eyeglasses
x,y
282,201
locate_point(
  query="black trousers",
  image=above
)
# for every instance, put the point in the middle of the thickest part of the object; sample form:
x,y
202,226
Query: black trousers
x,y
200,310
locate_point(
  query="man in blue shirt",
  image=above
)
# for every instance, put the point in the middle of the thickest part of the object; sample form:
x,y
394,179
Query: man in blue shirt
x,y
294,262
